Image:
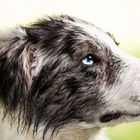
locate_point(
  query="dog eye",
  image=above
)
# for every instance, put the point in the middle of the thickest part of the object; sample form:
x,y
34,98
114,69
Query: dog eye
x,y
88,60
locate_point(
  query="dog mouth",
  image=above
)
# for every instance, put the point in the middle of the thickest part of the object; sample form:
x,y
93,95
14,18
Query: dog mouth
x,y
114,116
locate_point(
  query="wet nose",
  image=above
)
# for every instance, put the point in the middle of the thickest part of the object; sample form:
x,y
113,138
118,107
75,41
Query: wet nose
x,y
135,98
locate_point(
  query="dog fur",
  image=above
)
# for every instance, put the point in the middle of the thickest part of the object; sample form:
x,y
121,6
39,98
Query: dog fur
x,y
64,79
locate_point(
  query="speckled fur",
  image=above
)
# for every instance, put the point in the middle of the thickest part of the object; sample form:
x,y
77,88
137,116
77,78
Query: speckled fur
x,y
47,90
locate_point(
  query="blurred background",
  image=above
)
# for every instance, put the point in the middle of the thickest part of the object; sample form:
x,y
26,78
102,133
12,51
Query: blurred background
x,y
119,17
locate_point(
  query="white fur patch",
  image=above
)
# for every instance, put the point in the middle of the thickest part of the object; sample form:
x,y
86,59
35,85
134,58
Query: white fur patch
x,y
9,33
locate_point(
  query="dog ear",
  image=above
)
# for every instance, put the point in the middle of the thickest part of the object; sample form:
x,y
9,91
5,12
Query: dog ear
x,y
36,34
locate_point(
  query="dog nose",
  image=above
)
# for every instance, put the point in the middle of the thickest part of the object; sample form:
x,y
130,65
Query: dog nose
x,y
135,98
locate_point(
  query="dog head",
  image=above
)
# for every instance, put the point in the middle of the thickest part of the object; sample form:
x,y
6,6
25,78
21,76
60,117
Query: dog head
x,y
67,71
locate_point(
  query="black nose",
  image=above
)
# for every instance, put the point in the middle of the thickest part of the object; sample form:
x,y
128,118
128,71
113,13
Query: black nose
x,y
135,98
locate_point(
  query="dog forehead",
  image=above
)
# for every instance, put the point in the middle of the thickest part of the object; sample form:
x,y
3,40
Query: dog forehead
x,y
99,35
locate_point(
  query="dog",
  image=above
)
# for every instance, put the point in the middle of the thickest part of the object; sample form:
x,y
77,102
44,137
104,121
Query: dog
x,y
62,78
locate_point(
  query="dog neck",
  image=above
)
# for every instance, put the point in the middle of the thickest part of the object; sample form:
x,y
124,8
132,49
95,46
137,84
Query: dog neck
x,y
72,132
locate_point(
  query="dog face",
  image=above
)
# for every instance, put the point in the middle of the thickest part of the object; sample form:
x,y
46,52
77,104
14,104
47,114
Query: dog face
x,y
73,73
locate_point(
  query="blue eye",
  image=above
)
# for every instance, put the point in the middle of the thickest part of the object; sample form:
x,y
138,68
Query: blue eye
x,y
88,60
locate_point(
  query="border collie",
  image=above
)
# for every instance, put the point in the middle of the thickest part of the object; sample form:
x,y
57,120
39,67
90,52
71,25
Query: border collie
x,y
62,78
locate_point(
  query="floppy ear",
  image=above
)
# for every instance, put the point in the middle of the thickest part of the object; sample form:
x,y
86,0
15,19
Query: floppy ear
x,y
36,34
19,63
20,43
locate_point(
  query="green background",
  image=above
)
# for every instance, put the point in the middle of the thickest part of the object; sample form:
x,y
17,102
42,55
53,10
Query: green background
x,y
126,131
